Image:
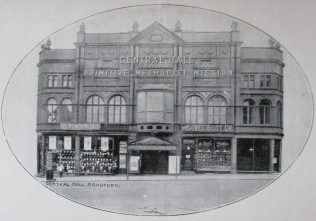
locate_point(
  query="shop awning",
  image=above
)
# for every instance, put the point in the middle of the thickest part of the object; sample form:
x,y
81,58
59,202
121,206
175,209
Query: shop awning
x,y
152,143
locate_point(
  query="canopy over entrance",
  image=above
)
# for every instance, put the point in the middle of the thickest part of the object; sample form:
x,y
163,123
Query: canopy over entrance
x,y
152,143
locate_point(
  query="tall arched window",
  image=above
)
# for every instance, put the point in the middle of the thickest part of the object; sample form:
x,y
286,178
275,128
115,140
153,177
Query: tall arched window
x,y
248,109
66,110
194,110
117,110
95,109
265,111
279,114
217,110
52,110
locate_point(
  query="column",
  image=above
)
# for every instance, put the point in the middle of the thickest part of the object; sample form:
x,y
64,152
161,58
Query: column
x,y
271,163
43,166
234,155
77,155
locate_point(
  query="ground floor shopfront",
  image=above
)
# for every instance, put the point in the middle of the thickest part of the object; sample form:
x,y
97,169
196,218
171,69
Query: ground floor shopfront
x,y
99,153
231,154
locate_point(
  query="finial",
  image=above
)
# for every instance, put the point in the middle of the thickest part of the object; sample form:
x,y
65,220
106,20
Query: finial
x,y
234,26
135,26
178,26
271,43
48,43
82,27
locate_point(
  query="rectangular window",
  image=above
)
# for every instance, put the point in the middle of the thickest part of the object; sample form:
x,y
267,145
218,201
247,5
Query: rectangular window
x,y
67,80
50,81
55,81
265,81
249,81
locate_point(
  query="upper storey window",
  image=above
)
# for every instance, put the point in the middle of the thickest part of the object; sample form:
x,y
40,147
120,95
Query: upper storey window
x,y
194,110
217,110
117,110
52,81
249,81
95,109
66,110
265,81
248,111
265,111
52,110
67,80
155,107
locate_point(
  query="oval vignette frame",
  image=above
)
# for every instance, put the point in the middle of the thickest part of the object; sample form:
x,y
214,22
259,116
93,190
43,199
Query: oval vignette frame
x,y
171,5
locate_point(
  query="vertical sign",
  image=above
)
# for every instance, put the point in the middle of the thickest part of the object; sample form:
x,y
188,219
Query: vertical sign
x,y
52,142
134,164
67,143
104,143
87,143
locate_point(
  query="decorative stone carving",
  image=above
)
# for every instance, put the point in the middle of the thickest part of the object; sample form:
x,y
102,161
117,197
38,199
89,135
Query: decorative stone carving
x,y
47,45
82,28
135,26
234,26
178,26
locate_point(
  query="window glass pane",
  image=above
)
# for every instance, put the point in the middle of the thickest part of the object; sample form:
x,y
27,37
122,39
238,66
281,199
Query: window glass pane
x,y
154,101
141,101
123,114
200,115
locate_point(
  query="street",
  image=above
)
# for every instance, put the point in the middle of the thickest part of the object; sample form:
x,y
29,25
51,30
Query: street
x,y
159,195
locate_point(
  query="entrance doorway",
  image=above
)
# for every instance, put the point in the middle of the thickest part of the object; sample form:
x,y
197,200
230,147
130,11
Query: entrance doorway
x,y
154,162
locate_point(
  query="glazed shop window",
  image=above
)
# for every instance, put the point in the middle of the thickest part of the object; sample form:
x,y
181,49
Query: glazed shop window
x,y
279,114
265,81
217,110
265,111
95,109
248,109
66,110
67,80
52,81
117,110
249,81
52,110
155,107
194,110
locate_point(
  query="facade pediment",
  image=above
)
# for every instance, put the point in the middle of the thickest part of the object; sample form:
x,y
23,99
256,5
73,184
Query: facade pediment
x,y
155,34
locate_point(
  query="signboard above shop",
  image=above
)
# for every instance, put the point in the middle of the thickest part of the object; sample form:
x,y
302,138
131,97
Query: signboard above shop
x,y
207,128
67,126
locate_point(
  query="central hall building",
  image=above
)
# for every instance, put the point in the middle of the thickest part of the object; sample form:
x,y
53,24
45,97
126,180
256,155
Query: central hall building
x,y
160,101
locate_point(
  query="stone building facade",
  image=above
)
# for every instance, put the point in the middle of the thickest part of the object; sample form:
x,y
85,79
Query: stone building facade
x,y
160,101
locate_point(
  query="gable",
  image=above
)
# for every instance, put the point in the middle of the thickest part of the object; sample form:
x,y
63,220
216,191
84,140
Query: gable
x,y
156,34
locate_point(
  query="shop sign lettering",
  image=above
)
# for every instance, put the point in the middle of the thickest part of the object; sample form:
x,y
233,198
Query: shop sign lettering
x,y
208,128
65,126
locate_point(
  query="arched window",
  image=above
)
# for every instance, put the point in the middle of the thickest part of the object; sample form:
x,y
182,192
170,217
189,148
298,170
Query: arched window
x,y
217,110
52,110
66,110
194,110
95,109
117,110
265,111
248,109
279,114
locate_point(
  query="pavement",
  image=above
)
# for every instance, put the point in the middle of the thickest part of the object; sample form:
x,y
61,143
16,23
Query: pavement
x,y
159,194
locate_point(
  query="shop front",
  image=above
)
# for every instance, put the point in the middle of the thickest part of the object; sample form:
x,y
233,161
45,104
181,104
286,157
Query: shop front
x,y
73,154
258,155
207,154
152,155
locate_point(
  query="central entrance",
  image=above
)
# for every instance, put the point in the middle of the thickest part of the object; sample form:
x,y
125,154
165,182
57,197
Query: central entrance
x,y
154,162
152,155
